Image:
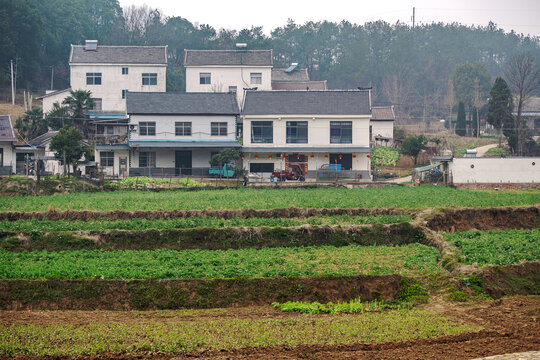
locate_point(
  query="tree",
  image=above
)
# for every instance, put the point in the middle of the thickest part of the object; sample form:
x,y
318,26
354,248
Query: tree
x,y
68,147
523,75
58,117
471,84
460,122
225,156
31,124
80,101
500,106
412,145
475,122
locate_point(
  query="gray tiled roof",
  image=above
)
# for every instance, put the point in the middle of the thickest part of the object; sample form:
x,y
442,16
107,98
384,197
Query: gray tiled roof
x,y
228,57
383,113
119,55
6,129
299,85
42,139
332,102
296,75
206,103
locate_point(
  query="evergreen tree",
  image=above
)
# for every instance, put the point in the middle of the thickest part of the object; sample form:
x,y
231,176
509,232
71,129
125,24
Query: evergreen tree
x,y
500,108
67,146
460,123
474,122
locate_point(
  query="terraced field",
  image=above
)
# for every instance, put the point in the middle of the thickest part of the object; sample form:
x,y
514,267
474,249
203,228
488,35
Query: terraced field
x,y
235,252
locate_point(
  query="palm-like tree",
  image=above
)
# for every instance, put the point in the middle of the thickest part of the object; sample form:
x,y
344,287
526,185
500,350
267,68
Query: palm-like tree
x,y
58,117
80,101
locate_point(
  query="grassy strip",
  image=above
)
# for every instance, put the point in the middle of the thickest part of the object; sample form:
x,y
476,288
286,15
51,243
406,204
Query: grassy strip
x,y
214,238
351,307
92,294
192,222
192,264
186,336
497,247
387,197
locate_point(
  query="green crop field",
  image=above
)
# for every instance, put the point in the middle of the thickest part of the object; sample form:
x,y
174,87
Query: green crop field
x,y
192,222
387,197
170,335
497,247
268,262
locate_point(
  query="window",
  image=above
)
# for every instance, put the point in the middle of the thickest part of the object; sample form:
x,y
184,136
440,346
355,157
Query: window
x,y
97,104
124,92
1,157
204,78
147,128
182,128
262,132
147,159
125,71
232,89
93,78
106,158
261,167
218,129
105,130
256,78
149,79
340,132
297,132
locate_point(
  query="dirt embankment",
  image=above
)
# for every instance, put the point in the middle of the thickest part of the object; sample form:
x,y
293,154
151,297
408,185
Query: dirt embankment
x,y
289,212
453,220
98,294
518,279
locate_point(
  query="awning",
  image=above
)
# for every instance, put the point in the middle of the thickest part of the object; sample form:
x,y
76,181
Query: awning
x,y
427,167
304,149
113,147
183,144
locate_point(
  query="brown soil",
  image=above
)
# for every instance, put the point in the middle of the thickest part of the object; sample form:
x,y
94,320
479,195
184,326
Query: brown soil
x,y
510,325
519,279
452,220
171,214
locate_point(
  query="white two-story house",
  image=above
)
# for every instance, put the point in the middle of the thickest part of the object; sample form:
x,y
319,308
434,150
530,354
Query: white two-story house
x,y
7,140
173,134
286,130
228,71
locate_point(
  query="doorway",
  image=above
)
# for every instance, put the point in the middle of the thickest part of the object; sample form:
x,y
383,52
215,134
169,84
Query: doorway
x,y
182,162
345,160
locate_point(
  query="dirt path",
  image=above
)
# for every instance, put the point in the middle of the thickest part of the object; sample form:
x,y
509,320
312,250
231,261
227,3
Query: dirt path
x,y
481,150
511,325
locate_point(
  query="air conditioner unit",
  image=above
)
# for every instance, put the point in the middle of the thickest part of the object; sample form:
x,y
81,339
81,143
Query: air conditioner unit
x,y
132,127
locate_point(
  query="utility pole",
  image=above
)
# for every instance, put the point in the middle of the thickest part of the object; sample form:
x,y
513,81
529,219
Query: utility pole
x,y
413,16
12,85
52,77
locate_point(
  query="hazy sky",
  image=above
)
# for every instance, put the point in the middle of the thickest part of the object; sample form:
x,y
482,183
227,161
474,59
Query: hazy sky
x,y
523,16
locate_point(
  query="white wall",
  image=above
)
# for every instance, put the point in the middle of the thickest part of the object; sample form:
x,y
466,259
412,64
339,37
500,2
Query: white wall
x,y
8,155
361,162
50,100
318,131
113,170
495,170
165,157
382,128
113,82
200,127
224,76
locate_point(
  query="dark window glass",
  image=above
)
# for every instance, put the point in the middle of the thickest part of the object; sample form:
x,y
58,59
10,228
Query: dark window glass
x,y
340,132
261,167
182,128
262,132
124,71
218,128
106,158
147,159
204,78
93,78
297,132
149,78
124,92
147,128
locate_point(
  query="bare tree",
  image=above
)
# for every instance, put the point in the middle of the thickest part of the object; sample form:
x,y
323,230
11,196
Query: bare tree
x,y
478,102
523,75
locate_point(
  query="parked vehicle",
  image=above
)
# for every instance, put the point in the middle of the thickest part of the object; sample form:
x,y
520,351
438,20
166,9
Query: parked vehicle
x,y
226,171
295,172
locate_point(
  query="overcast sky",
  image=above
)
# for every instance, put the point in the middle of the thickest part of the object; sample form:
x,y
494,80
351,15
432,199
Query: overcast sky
x,y
523,16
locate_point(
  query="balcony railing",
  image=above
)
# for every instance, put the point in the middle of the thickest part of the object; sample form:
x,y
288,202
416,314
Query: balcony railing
x,y
102,139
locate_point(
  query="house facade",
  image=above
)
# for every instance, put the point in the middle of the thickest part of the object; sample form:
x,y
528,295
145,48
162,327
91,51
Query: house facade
x,y
307,131
228,71
7,139
382,124
172,134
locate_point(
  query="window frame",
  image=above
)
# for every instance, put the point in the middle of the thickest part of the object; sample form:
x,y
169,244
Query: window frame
x,y
296,139
149,157
124,92
340,126
104,129
125,70
106,157
180,128
98,104
233,89
151,79
149,128
255,78
206,76
94,78
262,138
218,128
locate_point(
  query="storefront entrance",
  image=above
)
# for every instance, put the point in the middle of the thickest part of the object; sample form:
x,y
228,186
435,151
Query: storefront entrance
x,y
345,160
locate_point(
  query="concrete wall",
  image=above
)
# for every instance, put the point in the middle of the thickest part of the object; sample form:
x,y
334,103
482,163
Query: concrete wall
x,y
318,131
200,127
224,76
382,128
113,170
165,157
113,82
8,155
50,100
495,170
